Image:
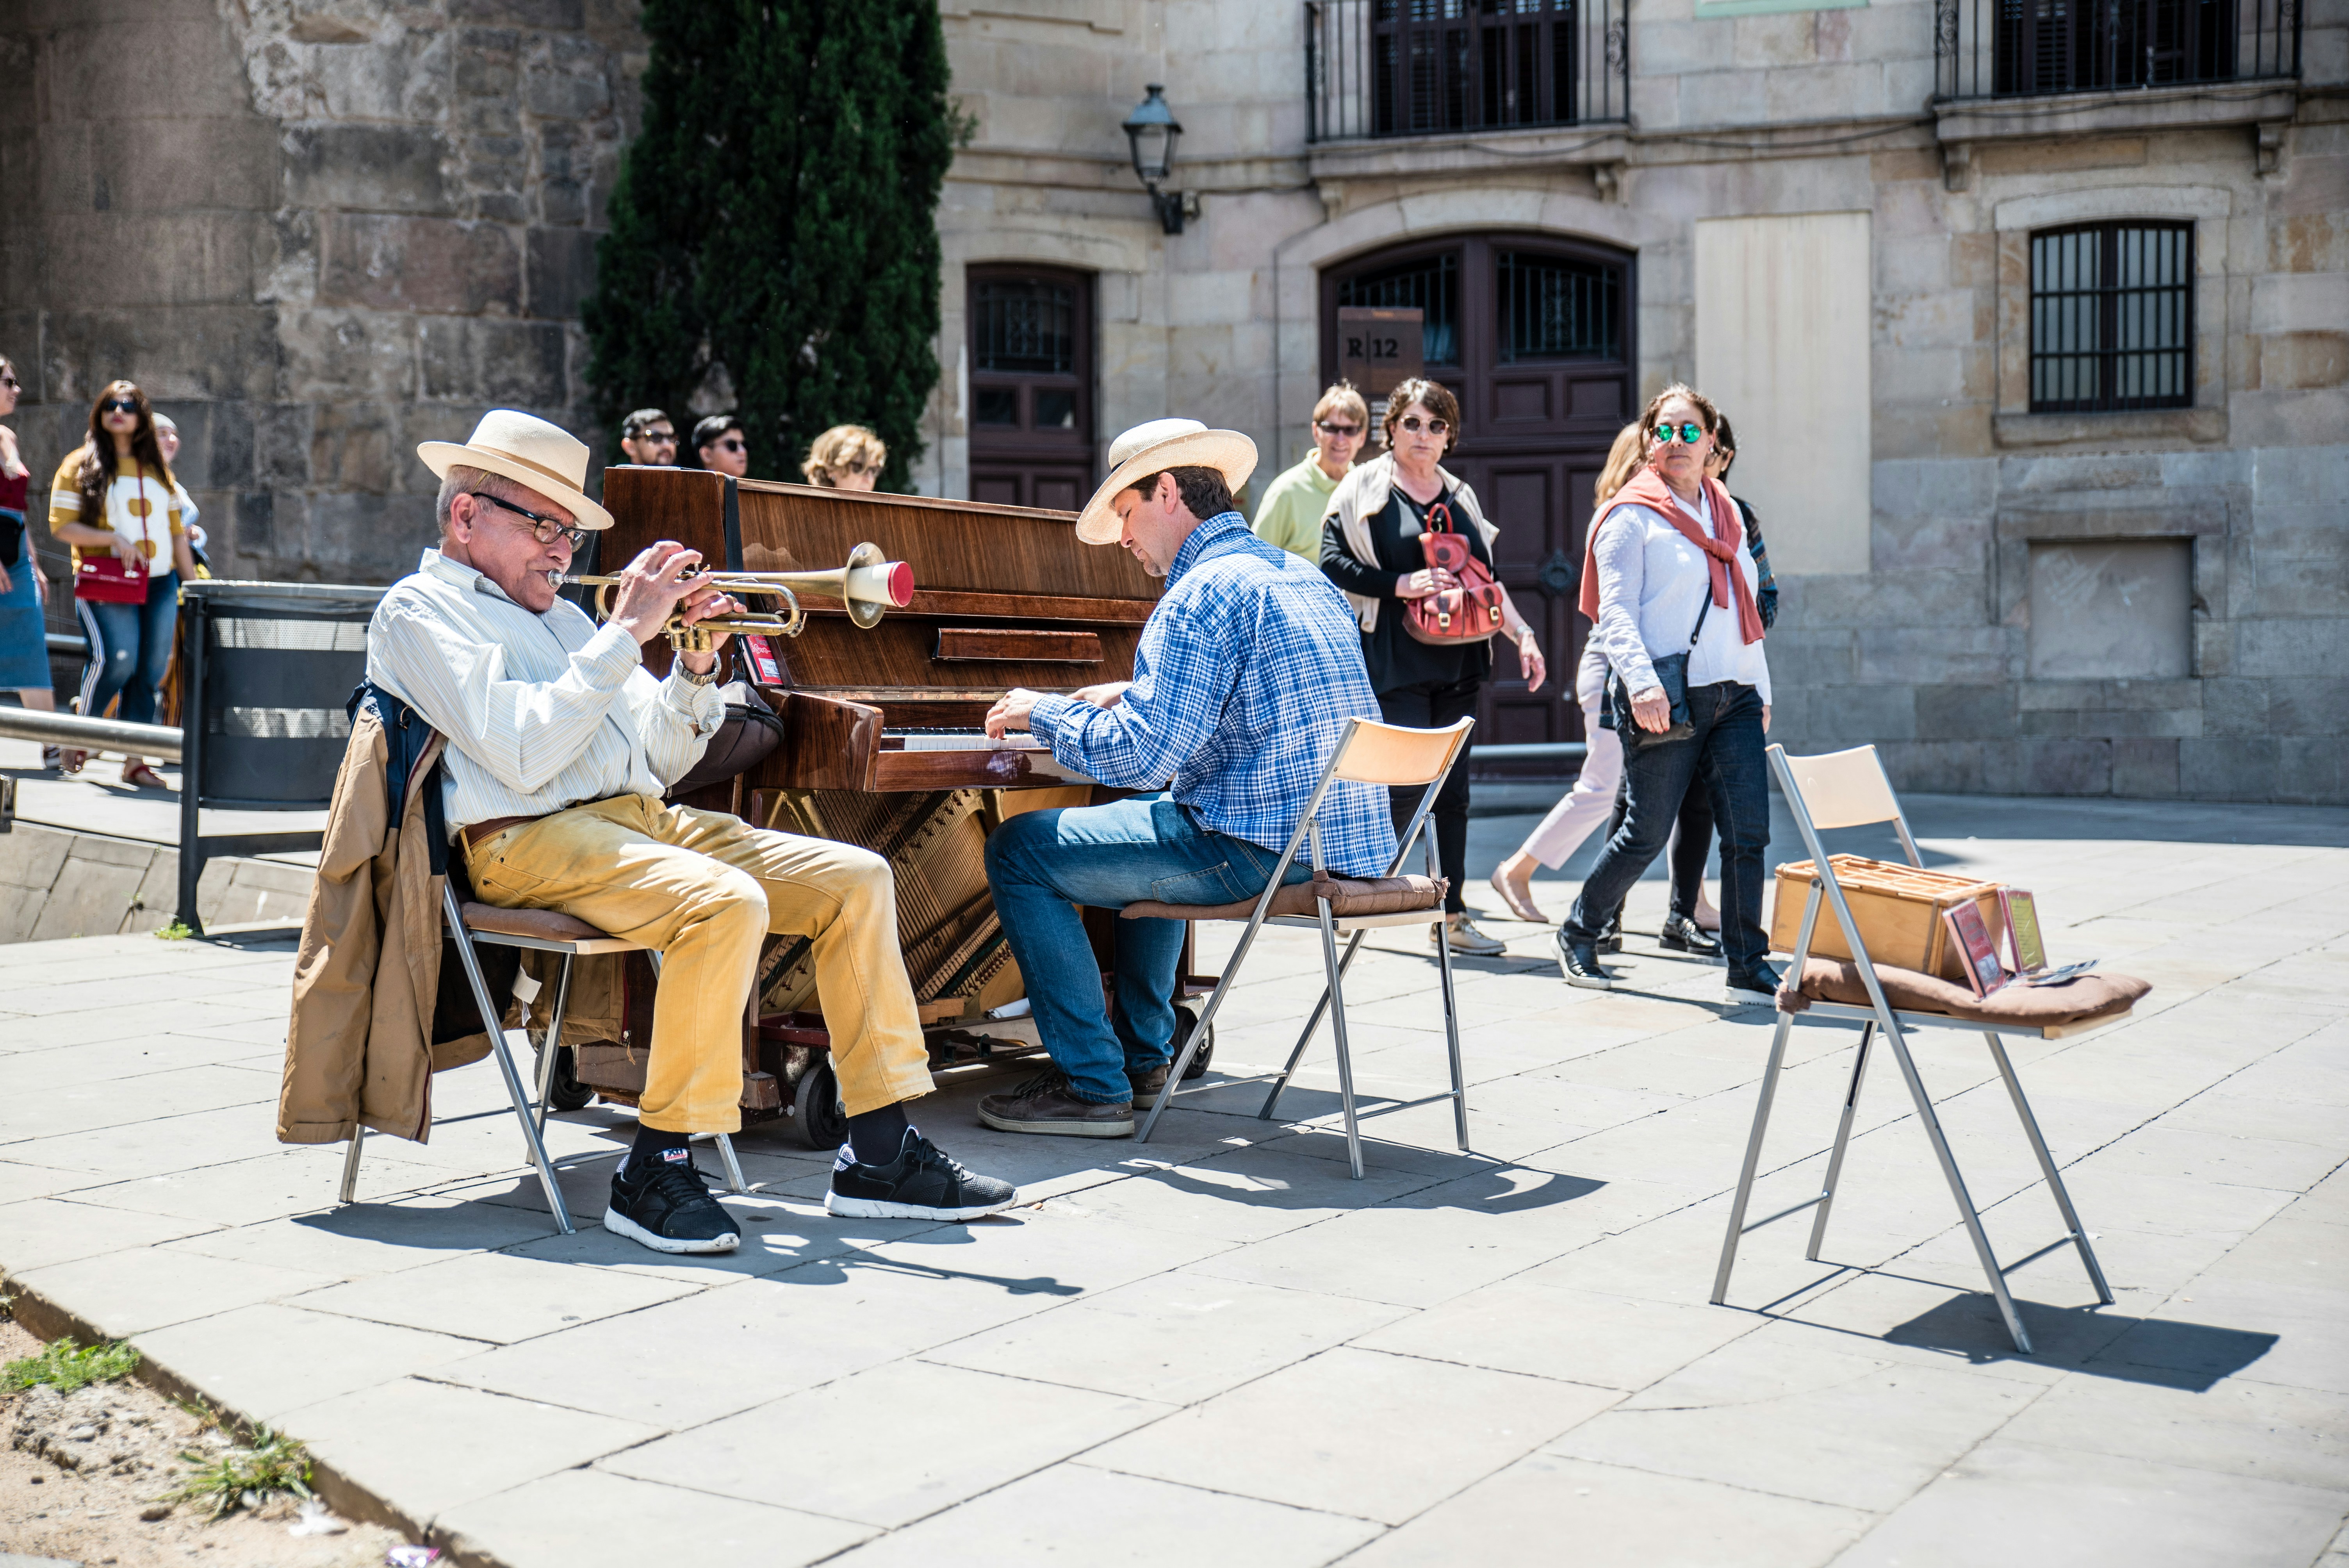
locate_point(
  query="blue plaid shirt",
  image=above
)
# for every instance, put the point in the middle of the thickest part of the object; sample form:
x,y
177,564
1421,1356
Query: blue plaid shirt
x,y
1246,671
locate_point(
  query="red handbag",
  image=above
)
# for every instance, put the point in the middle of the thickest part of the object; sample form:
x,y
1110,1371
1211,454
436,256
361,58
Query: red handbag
x,y
109,579
1471,613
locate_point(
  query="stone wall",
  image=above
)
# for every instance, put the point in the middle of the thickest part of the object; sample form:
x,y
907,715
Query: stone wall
x,y
317,232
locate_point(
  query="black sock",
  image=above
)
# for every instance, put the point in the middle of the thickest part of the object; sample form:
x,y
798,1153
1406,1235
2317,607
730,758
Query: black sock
x,y
877,1136
652,1144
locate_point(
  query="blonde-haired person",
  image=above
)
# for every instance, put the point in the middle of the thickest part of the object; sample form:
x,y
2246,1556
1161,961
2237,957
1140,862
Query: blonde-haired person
x,y
1592,799
1371,548
114,494
846,457
1299,498
1667,575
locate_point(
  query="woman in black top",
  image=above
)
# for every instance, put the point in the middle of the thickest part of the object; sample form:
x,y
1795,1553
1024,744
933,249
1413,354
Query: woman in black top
x,y
1371,548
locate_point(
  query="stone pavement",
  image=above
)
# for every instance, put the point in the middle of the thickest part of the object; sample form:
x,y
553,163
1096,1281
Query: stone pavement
x,y
1217,1348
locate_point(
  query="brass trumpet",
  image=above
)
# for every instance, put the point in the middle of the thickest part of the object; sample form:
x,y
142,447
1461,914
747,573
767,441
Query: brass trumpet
x,y
869,585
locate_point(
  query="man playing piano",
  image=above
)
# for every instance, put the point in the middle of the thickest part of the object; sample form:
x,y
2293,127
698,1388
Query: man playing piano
x,y
560,747
1248,670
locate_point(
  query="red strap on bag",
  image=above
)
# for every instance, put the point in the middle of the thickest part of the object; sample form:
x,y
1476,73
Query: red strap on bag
x,y
1471,613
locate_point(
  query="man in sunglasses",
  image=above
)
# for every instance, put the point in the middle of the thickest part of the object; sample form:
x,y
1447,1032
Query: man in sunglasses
x,y
723,448
1299,498
560,747
647,437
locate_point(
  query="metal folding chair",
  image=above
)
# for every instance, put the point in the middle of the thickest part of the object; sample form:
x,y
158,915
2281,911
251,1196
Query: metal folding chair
x,y
1367,753
541,931
1849,789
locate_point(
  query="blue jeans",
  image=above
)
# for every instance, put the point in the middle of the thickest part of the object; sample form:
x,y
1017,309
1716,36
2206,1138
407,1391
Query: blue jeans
x,y
130,650
1723,758
1041,864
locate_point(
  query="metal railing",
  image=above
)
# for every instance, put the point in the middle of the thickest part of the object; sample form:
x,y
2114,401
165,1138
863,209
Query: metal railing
x,y
2020,48
1428,68
159,741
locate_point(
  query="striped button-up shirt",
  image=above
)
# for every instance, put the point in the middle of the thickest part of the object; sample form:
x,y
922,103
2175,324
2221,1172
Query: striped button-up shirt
x,y
541,711
1248,670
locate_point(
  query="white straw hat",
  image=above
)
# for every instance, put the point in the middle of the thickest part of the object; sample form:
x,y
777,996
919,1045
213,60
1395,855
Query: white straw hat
x,y
528,450
1163,444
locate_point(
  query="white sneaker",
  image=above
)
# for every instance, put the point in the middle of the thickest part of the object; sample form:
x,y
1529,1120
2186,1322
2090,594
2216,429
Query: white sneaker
x,y
1466,938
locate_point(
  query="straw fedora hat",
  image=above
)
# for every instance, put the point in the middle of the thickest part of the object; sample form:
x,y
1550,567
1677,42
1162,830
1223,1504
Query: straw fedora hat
x,y
1163,444
528,450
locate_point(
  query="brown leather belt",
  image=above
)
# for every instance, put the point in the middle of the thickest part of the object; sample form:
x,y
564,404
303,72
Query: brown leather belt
x,y
473,833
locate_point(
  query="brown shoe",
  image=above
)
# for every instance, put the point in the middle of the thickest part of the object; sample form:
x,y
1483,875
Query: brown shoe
x,y
1147,1085
1044,1104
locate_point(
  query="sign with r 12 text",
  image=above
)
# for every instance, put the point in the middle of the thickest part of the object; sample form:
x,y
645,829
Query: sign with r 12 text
x,y
1379,349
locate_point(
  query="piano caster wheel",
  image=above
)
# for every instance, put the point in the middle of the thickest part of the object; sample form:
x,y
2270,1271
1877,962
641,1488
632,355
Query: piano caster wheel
x,y
1185,1021
822,1119
567,1093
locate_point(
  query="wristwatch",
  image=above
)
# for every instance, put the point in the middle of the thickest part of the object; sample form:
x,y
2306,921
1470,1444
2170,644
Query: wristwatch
x,y
705,678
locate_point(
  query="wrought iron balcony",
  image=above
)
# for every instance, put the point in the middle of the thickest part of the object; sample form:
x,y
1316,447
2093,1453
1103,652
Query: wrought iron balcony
x,y
1428,67
2018,48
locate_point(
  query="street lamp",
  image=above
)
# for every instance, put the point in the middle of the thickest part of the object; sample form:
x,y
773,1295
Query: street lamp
x,y
1151,130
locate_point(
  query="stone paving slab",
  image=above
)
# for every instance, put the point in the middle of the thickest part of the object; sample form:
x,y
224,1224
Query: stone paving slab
x,y
1218,1347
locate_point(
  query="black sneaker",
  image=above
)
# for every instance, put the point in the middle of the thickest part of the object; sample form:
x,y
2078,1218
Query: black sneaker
x,y
1758,984
668,1207
1044,1104
923,1182
1682,934
1578,962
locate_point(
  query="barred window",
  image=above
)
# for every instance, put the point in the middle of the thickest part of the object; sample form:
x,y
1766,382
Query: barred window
x,y
2111,317
1026,326
1431,284
1556,308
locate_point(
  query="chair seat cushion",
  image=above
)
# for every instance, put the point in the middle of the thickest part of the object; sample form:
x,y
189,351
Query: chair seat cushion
x,y
2084,998
546,925
1347,896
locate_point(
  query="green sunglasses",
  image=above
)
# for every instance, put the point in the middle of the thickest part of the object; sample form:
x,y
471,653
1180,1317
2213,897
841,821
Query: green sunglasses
x,y
1690,434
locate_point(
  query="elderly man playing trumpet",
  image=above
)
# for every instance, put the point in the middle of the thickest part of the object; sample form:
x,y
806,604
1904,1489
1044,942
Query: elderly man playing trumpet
x,y
560,747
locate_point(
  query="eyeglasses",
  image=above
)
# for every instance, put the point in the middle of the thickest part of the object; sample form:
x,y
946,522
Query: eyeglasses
x,y
545,530
658,438
117,405
10,381
731,444
1343,432
1433,427
1690,434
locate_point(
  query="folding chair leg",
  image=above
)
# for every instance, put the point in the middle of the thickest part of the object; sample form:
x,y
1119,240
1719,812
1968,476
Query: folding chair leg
x,y
1338,1029
734,1182
1305,1035
1452,1041
2078,1232
1966,1212
552,1044
494,1015
1737,1226
351,1166
1843,1141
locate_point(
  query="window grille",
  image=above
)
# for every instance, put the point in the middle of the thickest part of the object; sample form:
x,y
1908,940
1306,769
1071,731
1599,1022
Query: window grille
x,y
2111,317
1431,284
1552,308
1024,326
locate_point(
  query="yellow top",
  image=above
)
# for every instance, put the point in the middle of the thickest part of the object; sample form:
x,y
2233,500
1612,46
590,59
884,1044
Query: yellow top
x,y
140,502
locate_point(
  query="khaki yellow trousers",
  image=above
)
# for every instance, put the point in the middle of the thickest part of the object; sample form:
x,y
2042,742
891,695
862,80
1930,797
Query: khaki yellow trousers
x,y
704,888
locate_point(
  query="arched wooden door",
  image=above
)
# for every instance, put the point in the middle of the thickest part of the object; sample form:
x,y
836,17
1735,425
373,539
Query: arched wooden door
x,y
1534,336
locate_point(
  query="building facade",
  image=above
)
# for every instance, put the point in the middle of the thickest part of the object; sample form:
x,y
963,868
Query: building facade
x,y
2034,323
2033,328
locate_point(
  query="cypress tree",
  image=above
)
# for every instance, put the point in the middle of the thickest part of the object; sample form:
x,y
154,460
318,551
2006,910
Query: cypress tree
x,y
772,227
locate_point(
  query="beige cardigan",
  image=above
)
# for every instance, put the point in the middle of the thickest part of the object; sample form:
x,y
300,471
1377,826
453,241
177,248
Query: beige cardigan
x,y
1360,496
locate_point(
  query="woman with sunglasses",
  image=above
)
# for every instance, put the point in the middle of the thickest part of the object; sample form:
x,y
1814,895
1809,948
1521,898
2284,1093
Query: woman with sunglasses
x,y
1371,548
24,628
113,500
1299,498
1669,584
846,457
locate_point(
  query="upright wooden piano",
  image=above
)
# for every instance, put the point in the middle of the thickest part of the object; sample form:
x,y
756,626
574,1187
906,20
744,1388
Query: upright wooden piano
x,y
884,745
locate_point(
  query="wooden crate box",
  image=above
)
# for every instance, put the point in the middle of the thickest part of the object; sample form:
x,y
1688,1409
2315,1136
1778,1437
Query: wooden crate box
x,y
1897,907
